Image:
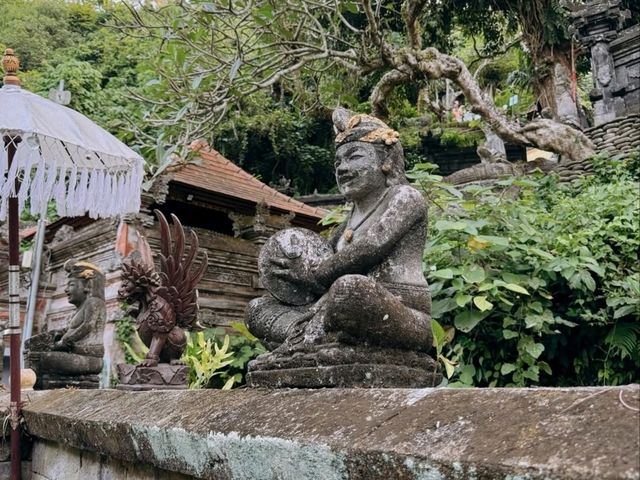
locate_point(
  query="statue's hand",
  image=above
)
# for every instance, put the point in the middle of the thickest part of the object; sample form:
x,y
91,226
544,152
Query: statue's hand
x,y
57,334
299,274
61,345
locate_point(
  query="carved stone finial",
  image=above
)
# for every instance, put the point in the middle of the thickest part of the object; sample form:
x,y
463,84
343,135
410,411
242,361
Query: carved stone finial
x,y
10,65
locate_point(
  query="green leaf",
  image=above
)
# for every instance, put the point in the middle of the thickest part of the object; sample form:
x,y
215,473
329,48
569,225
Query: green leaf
x,y
587,280
534,349
516,288
229,383
544,366
444,225
350,7
514,278
474,274
242,329
440,307
482,303
625,310
507,368
534,321
502,241
508,322
449,366
462,299
265,11
445,273
466,321
439,334
466,374
509,334
541,253
532,373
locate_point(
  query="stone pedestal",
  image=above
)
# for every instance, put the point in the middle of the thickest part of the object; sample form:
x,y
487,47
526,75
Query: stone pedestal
x,y
64,370
50,381
162,377
343,366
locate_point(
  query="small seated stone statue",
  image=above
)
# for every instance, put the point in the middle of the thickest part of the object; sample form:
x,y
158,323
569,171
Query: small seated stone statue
x,y
353,310
73,356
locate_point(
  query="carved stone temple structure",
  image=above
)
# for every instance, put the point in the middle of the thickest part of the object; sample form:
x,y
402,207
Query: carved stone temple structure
x,y
72,356
604,28
615,58
353,310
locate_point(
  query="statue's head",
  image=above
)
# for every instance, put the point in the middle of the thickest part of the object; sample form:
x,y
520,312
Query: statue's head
x,y
368,154
84,280
137,279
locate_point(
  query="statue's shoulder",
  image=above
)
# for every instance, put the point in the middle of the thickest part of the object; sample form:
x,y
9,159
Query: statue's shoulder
x,y
94,303
406,195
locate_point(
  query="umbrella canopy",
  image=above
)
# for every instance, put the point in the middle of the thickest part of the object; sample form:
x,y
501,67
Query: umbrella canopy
x,y
64,156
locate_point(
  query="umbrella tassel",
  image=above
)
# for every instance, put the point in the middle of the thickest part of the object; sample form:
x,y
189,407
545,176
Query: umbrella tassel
x,y
122,191
92,193
26,179
9,190
47,192
102,189
81,191
71,191
3,167
9,184
37,189
59,192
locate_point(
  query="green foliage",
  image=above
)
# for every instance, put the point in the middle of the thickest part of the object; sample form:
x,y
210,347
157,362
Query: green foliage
x,y
205,360
273,141
126,335
219,360
460,138
442,337
539,279
36,29
75,42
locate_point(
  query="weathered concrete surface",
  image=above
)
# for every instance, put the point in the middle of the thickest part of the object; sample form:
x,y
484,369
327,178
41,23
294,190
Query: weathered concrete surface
x,y
582,433
53,461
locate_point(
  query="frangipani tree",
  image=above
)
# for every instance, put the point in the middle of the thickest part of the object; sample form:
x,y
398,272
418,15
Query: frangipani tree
x,y
218,53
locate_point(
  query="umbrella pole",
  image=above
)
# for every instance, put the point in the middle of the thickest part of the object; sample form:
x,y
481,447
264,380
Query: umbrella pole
x,y
14,316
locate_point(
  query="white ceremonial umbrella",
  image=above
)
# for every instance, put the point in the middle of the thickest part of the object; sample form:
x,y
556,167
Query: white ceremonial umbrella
x,y
54,153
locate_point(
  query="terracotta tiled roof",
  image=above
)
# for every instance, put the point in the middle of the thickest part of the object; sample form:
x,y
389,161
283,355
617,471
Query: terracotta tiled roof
x,y
218,175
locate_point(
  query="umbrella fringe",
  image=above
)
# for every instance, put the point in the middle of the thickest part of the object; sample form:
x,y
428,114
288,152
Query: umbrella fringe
x,y
76,186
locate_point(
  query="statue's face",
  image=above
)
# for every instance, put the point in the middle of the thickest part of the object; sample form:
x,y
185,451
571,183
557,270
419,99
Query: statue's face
x,y
127,288
75,291
358,171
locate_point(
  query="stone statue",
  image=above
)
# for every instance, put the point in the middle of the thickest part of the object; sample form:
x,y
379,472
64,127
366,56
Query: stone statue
x,y
72,357
164,304
359,298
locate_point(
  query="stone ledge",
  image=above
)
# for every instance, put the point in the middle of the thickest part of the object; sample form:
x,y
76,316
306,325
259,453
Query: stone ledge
x,y
578,433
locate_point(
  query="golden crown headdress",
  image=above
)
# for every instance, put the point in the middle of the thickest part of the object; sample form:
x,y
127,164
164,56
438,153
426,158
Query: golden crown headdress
x,y
362,128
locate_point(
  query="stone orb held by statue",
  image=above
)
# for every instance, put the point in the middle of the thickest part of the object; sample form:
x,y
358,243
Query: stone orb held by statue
x,y
302,250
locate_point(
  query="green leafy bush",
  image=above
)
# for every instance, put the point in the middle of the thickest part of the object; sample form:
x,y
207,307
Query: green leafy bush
x,y
460,138
219,360
540,279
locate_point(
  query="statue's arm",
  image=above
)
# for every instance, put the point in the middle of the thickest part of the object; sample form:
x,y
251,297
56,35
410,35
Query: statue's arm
x,y
405,209
335,237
